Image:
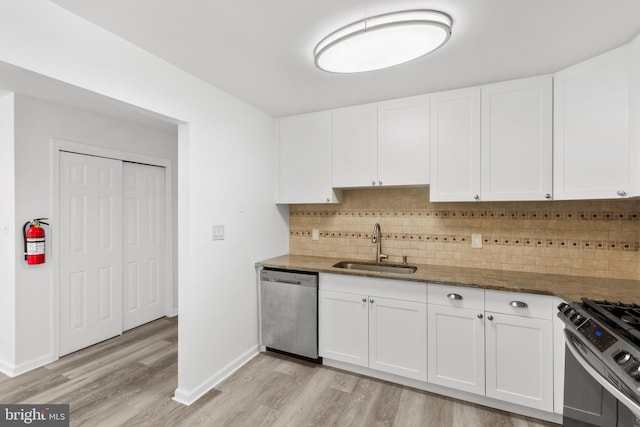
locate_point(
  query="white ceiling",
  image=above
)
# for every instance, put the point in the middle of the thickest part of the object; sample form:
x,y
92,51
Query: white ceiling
x,y
261,51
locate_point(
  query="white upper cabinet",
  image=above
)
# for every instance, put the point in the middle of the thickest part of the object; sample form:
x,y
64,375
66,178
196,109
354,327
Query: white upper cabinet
x,y
455,145
517,140
493,142
304,173
593,153
355,143
403,141
382,144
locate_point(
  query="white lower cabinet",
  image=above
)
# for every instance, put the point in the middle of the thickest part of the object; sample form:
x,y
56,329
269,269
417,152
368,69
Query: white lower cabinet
x,y
519,360
376,323
492,343
398,337
343,328
456,348
495,344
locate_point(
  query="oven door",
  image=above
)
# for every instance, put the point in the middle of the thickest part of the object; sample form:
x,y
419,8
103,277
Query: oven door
x,y
589,399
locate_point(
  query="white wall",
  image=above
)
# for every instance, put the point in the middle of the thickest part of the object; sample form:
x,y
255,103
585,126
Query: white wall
x,y
37,123
225,176
7,249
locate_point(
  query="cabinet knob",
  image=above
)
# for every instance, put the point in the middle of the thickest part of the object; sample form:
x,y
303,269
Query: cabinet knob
x,y
490,317
621,193
328,199
454,296
364,299
547,196
379,182
373,182
480,316
476,197
371,300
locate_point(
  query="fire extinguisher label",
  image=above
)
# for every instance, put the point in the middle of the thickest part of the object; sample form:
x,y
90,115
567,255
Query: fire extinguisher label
x,y
35,246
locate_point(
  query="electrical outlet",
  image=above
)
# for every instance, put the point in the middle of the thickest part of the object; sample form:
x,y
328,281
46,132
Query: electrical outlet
x,y
476,241
217,232
315,234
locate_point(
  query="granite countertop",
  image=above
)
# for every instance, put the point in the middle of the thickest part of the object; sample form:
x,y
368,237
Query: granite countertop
x,y
569,288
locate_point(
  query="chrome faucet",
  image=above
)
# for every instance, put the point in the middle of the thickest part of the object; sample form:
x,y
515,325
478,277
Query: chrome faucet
x,y
376,237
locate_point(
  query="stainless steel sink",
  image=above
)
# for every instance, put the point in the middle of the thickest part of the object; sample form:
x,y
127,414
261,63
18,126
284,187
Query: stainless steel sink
x,y
372,266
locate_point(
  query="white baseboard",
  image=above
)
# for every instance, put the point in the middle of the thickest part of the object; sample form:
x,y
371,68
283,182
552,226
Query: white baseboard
x,y
7,368
15,370
187,397
445,391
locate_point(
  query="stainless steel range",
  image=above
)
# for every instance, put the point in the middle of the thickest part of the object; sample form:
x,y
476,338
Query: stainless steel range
x,y
602,364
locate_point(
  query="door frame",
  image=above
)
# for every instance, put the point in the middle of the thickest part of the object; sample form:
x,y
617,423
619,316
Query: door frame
x,y
58,145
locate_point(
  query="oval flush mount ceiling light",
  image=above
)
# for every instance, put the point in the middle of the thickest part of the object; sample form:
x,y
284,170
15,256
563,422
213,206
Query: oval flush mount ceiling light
x,y
382,41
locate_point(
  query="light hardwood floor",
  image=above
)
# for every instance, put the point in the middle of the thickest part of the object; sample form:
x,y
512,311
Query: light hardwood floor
x,y
129,381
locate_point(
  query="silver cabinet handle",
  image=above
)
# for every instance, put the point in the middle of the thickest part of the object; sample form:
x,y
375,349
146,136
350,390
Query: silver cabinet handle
x,y
454,296
364,299
328,200
479,316
621,193
490,317
476,197
518,304
379,182
373,182
547,196
371,300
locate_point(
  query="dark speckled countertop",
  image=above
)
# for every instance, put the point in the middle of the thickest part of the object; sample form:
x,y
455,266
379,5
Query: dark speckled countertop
x,y
569,288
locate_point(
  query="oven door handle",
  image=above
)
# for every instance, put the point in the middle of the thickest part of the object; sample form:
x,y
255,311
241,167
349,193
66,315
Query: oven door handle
x,y
633,406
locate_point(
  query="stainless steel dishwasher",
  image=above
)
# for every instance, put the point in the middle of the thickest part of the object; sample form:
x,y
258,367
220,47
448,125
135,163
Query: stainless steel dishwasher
x,y
289,311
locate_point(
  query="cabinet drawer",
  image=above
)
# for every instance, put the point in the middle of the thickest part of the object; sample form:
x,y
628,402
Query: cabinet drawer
x,y
386,288
455,296
539,306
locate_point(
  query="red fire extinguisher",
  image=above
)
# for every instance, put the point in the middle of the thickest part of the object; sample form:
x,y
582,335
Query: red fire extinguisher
x,y
34,241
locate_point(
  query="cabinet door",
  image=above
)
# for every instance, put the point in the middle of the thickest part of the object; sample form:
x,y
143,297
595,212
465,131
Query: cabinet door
x,y
455,145
519,360
516,140
591,128
398,337
403,141
355,142
304,159
343,325
456,348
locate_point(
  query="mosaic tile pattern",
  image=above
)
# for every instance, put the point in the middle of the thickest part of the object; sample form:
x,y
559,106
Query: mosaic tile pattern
x,y
590,238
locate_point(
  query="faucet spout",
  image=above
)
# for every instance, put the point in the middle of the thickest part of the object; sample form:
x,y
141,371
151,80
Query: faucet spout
x,y
376,237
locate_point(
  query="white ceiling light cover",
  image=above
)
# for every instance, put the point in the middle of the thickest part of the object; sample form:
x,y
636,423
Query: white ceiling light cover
x,y
383,41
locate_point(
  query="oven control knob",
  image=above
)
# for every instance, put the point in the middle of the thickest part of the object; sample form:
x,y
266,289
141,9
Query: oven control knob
x,y
569,312
562,306
635,371
622,358
576,318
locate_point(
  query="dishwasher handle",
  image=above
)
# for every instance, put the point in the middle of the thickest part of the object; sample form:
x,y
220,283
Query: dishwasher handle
x,y
290,282
289,278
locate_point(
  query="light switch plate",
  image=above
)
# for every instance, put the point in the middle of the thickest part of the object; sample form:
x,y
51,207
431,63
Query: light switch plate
x,y
217,232
476,241
315,234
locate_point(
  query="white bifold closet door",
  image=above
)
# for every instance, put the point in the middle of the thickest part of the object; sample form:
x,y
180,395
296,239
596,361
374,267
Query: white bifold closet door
x,y
144,244
112,248
90,227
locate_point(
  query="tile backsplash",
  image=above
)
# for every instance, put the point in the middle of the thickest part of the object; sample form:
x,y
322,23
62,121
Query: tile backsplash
x,y
586,238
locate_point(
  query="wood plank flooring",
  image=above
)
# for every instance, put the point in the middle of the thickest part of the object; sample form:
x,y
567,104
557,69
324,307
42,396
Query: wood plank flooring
x,y
130,380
